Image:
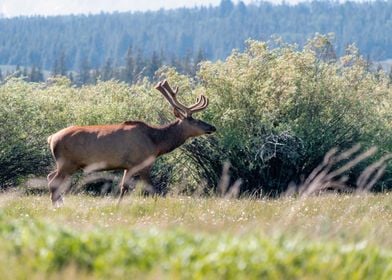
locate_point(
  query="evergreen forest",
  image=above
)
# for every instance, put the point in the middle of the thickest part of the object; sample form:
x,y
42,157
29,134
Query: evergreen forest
x,y
129,45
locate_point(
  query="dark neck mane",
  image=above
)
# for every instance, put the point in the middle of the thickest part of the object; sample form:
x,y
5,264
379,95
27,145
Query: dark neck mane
x,y
167,137
134,123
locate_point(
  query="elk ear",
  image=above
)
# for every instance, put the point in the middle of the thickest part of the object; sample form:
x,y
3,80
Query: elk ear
x,y
177,114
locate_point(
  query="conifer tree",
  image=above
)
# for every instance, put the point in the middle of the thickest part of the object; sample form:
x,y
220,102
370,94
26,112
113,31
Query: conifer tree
x,y
36,74
153,65
17,73
25,74
84,72
59,67
140,66
107,70
129,70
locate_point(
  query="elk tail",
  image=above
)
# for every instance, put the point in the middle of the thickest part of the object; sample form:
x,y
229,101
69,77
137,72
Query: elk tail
x,y
51,144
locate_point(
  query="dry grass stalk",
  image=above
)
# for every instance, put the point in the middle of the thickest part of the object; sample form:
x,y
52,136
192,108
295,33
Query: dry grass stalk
x,y
327,176
224,188
372,174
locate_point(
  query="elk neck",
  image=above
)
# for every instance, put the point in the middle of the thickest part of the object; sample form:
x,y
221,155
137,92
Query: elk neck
x,y
169,137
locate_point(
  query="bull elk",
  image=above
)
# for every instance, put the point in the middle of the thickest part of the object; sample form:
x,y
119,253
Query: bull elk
x,y
131,146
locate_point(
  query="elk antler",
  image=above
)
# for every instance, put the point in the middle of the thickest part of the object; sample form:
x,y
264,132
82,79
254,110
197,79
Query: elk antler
x,y
201,104
171,96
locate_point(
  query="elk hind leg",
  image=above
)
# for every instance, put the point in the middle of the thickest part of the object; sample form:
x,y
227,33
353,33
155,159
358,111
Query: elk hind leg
x,y
56,186
51,175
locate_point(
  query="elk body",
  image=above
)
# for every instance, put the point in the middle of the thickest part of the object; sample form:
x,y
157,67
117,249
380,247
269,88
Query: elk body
x,y
131,146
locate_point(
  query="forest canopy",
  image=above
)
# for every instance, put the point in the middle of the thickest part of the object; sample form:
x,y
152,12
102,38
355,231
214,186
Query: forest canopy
x,y
77,40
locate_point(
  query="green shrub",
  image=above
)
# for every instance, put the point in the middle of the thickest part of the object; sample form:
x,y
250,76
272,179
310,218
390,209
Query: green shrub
x,y
278,111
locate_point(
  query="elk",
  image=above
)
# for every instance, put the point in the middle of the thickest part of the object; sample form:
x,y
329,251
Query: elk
x,y
131,146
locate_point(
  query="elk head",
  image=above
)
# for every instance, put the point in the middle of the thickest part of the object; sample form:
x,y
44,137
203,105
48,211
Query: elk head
x,y
193,127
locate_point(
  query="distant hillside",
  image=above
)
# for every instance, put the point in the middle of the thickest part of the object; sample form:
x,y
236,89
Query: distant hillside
x,y
212,31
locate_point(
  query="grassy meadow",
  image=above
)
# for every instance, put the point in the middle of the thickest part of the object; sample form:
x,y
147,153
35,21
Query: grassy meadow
x,y
279,113
323,237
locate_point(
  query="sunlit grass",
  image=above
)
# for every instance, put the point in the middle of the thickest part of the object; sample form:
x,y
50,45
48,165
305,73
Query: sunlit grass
x,y
345,217
188,237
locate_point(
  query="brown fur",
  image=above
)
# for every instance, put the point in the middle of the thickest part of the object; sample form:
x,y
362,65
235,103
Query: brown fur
x,y
132,146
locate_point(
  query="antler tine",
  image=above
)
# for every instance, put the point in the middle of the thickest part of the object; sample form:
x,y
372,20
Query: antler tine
x,y
169,97
198,101
166,85
164,93
173,94
162,90
200,105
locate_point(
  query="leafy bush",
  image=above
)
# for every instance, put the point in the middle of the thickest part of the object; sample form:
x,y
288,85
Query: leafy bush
x,y
278,111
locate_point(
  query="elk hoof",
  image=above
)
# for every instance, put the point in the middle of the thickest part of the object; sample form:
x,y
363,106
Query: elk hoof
x,y
58,202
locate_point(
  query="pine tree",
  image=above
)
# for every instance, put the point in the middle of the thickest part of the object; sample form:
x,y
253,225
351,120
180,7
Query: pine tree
x,y
39,74
241,7
62,64
187,67
129,71
153,65
71,77
107,70
36,75
32,74
8,74
17,73
25,74
199,58
379,70
95,75
225,7
368,63
84,72
118,74
59,67
175,63
139,66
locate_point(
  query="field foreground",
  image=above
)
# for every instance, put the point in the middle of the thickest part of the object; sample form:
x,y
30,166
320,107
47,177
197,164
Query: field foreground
x,y
333,236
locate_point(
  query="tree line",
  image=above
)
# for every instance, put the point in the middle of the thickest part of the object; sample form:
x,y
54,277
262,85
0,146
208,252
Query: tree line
x,y
134,68
137,67
106,37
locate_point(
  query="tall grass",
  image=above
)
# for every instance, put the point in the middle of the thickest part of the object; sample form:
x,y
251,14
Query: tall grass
x,y
339,236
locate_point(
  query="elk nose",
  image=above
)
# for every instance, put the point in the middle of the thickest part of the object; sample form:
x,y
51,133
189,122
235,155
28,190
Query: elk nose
x,y
212,129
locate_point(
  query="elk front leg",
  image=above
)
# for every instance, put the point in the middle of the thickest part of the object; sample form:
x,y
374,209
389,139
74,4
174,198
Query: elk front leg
x,y
124,185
